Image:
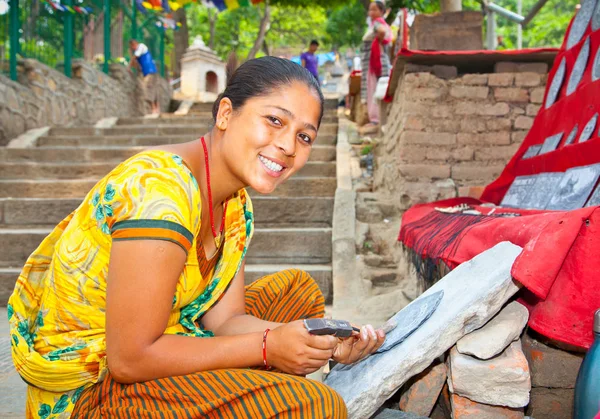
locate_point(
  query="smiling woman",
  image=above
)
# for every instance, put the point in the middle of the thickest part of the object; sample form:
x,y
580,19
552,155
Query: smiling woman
x,y
135,305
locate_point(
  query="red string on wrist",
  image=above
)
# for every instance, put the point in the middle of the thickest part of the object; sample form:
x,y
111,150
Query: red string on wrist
x,y
264,349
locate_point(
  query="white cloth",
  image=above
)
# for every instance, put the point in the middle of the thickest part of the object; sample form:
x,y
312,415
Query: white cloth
x,y
140,50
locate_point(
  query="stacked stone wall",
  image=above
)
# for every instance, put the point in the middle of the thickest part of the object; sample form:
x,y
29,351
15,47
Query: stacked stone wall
x,y
45,97
443,136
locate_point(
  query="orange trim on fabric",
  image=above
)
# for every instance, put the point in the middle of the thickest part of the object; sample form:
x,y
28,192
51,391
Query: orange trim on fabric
x,y
158,233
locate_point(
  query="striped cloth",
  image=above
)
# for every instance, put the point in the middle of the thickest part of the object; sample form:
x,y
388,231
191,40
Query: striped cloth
x,y
232,393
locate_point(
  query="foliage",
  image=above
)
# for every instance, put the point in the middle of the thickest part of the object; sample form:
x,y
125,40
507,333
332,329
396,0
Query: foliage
x,y
346,25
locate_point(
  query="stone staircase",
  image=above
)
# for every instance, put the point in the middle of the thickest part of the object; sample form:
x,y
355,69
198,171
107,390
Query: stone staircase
x,y
39,186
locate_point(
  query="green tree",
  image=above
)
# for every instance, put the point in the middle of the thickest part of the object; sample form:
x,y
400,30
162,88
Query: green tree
x,y
346,25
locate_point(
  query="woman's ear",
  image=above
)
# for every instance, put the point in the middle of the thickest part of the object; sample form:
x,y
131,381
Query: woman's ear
x,y
224,114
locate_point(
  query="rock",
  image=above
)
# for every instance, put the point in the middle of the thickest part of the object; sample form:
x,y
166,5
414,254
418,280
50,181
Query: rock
x,y
551,403
473,293
551,367
495,336
368,213
463,408
500,381
362,231
397,414
425,390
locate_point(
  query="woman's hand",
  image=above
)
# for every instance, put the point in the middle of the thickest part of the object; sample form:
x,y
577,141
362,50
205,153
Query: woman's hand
x,y
357,347
291,349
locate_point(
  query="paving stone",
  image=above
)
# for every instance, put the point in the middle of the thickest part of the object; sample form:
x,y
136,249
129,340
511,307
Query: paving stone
x,y
463,408
473,293
495,336
500,381
551,367
424,390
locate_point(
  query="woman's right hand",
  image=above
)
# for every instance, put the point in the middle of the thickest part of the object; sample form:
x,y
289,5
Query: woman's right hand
x,y
291,349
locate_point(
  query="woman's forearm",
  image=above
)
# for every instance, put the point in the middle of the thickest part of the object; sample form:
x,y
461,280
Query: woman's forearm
x,y
244,324
173,355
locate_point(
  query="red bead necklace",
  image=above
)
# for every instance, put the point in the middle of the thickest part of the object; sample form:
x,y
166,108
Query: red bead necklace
x,y
210,202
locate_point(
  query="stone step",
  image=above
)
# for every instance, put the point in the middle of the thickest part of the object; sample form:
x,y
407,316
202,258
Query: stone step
x,y
329,116
8,278
78,188
31,170
320,273
47,212
294,245
167,120
105,154
136,140
164,129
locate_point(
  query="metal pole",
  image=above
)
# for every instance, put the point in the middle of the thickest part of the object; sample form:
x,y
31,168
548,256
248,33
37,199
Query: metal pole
x,y
534,11
14,37
491,30
520,27
106,35
133,19
162,52
68,37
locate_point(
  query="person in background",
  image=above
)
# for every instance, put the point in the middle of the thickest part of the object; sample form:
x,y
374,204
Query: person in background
x,y
375,59
309,59
145,63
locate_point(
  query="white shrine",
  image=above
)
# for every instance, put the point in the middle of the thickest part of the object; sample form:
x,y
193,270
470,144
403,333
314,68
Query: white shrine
x,y
203,74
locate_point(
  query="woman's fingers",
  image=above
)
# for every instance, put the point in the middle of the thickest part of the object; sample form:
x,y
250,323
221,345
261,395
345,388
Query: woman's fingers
x,y
322,342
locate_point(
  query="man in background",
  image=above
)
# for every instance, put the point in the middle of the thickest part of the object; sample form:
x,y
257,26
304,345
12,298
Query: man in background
x,y
143,61
310,60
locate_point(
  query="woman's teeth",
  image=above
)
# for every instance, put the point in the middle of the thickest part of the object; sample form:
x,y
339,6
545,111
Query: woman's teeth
x,y
271,164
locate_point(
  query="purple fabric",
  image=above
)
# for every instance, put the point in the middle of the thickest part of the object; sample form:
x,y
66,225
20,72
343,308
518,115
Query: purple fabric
x,y
311,63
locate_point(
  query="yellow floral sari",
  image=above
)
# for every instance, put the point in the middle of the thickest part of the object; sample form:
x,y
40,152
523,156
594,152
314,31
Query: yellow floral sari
x,y
57,310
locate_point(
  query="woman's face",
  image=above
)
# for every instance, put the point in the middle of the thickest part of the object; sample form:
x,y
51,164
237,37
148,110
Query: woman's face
x,y
264,134
374,11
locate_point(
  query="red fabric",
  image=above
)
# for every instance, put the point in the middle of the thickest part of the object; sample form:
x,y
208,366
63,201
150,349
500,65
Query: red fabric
x,y
559,264
375,57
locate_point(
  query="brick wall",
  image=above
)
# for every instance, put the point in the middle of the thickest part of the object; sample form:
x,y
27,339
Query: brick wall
x,y
43,96
443,135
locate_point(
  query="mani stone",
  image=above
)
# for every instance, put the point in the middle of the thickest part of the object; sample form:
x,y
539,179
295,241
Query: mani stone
x,y
473,293
500,381
495,336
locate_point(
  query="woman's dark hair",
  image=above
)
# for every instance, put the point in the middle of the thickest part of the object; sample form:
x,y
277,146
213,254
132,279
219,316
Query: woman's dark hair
x,y
381,6
260,77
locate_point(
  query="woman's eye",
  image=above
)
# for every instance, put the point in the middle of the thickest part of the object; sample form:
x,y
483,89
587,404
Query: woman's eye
x,y
274,120
305,138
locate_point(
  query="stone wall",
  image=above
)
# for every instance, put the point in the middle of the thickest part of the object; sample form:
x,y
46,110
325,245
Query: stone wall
x,y
43,96
446,134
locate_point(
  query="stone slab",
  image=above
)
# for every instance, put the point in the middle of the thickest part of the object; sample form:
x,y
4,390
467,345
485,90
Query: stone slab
x,y
575,188
397,414
500,381
544,187
473,293
496,335
463,408
425,389
29,138
518,192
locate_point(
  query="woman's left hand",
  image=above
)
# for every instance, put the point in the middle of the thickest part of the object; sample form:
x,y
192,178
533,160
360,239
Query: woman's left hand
x,y
359,346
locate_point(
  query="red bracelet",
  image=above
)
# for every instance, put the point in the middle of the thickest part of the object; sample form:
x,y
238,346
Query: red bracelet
x,y
264,349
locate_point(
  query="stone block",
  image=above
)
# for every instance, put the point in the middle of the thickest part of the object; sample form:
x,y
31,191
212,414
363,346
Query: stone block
x,y
499,153
429,171
473,125
512,67
441,111
463,408
501,80
499,124
474,108
447,31
523,122
427,138
473,292
424,390
397,414
482,174
463,154
428,93
471,191
417,68
518,137
511,94
500,381
412,193
528,80
537,95
470,92
551,403
551,367
474,79
414,123
532,110
440,125
494,138
496,335
412,154
445,72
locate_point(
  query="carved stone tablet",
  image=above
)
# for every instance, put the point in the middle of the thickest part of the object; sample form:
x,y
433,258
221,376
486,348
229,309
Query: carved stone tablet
x,y
556,84
596,65
575,188
572,135
551,143
532,151
595,198
579,67
544,187
588,130
518,192
410,318
581,22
